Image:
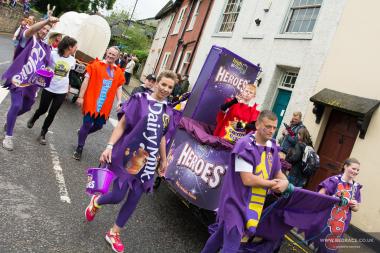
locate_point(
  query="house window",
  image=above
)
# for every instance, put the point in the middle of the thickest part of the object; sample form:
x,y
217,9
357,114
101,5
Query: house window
x,y
165,61
179,20
185,63
230,15
288,80
194,17
302,16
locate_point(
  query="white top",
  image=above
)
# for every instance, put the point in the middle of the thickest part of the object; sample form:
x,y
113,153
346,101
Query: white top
x,y
61,66
130,66
242,165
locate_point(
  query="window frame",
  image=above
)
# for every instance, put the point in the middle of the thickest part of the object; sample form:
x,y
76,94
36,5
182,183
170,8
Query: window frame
x,y
165,61
194,16
224,13
187,53
284,74
180,18
292,9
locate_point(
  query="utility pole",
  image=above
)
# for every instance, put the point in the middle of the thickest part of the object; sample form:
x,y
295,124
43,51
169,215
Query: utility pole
x,y
130,18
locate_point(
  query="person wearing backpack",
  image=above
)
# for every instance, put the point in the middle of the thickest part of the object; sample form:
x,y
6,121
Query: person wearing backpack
x,y
296,175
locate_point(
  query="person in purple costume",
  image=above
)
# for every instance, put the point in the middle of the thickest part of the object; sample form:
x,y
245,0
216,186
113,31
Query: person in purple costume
x,y
132,152
31,54
254,168
345,187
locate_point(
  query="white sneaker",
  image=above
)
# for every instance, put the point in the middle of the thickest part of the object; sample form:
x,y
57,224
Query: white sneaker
x,y
8,143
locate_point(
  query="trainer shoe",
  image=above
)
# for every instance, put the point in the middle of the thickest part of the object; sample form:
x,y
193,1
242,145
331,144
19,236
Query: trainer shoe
x,y
8,143
78,153
114,240
91,209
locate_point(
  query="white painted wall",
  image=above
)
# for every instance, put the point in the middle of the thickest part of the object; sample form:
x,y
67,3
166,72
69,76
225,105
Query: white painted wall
x,y
157,45
265,45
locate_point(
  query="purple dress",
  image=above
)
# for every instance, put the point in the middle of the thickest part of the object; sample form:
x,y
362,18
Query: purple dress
x,y
236,198
147,121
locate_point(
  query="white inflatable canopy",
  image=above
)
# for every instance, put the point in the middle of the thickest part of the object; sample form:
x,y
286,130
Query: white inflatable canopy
x,y
91,31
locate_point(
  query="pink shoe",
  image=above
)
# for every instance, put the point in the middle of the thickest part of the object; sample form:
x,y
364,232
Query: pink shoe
x,y
91,209
114,240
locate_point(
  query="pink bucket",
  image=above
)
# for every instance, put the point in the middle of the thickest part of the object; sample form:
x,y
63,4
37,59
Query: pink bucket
x,y
99,180
42,78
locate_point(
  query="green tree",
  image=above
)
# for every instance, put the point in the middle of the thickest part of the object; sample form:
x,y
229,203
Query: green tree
x,y
62,6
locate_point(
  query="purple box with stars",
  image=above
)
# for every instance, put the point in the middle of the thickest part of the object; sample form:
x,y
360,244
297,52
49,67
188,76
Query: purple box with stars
x,y
196,171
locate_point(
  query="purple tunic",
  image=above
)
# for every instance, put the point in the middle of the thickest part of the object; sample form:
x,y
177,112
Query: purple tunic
x,y
35,55
235,196
147,121
335,186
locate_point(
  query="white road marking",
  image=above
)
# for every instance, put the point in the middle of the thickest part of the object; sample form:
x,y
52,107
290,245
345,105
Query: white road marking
x,y
113,122
64,195
5,62
3,93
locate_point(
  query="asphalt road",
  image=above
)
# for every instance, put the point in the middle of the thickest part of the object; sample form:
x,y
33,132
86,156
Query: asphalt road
x,y
42,193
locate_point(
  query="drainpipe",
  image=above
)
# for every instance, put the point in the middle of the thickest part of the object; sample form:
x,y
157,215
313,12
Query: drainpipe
x,y
180,40
200,34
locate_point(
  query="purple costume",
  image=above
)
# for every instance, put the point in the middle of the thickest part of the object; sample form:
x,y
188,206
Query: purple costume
x,y
30,57
147,121
340,216
235,214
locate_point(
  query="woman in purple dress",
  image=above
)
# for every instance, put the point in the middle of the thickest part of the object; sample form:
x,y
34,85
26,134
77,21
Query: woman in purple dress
x,y
132,152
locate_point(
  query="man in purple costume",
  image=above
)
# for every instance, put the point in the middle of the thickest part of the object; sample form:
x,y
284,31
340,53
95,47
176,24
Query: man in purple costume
x,y
254,164
135,146
31,54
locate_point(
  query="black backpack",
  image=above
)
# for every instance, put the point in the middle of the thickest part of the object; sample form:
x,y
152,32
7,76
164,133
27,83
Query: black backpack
x,y
310,161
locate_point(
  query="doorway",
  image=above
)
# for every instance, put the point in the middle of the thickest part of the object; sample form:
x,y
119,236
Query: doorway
x,y
336,146
280,106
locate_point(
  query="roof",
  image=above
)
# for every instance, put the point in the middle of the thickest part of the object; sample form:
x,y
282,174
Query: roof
x,y
168,8
354,105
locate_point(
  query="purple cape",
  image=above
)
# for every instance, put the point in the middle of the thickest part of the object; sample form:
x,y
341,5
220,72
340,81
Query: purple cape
x,y
147,121
235,197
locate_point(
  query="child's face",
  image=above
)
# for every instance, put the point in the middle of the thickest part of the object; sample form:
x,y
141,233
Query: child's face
x,y
164,88
352,170
248,93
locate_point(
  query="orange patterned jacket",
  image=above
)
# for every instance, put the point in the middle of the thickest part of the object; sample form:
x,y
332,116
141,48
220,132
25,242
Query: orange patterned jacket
x,y
98,72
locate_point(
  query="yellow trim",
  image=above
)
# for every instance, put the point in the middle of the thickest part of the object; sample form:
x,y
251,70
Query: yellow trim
x,y
259,199
252,223
259,191
296,244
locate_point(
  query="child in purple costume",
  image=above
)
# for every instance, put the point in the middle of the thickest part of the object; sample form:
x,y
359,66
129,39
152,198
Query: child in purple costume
x,y
32,54
345,187
135,144
252,156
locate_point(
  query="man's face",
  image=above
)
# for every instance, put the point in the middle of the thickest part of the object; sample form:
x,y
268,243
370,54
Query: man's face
x,y
41,34
266,128
295,120
112,55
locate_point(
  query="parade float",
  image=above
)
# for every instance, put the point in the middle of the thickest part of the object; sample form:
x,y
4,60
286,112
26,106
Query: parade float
x,y
198,159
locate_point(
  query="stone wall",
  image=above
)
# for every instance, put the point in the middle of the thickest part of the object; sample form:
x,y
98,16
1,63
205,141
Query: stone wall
x,y
10,18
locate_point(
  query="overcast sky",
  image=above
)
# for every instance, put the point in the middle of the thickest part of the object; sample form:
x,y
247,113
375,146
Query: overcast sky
x,y
144,8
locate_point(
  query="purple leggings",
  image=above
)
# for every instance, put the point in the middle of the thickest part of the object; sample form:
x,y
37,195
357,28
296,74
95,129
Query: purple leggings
x,y
118,194
20,104
88,127
229,242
